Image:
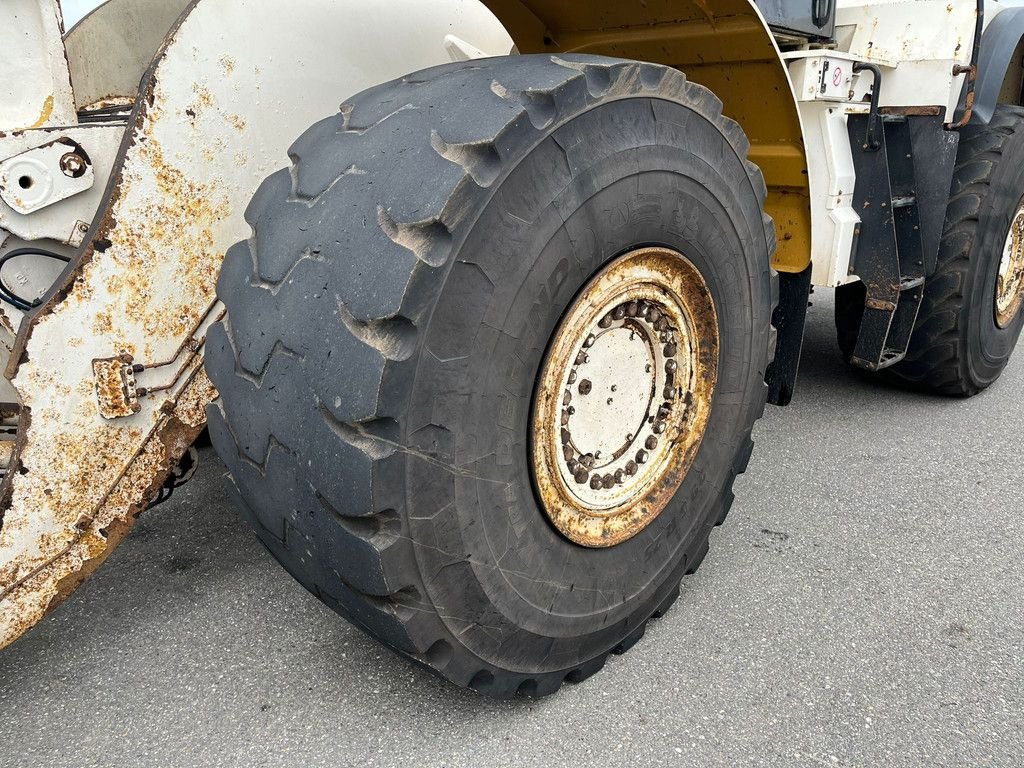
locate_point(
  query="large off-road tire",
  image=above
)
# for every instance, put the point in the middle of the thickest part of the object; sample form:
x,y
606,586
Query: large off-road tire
x,y
390,317
970,318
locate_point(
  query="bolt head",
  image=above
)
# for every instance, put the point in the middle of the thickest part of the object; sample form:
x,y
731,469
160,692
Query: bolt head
x,y
641,457
651,443
73,165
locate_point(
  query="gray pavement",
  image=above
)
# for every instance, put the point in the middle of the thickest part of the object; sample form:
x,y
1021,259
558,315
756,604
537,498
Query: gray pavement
x,y
863,605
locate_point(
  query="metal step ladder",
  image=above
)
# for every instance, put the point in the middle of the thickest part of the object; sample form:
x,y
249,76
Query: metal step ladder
x,y
890,256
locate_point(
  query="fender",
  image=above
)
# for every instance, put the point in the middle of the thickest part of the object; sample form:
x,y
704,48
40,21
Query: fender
x,y
998,44
725,45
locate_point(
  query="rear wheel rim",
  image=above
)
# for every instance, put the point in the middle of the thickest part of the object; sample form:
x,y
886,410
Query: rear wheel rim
x,y
1010,279
624,397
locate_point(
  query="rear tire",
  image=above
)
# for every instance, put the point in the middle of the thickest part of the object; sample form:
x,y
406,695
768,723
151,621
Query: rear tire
x,y
958,347
389,317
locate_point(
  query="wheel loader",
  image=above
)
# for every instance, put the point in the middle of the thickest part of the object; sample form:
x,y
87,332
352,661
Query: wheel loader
x,y
479,300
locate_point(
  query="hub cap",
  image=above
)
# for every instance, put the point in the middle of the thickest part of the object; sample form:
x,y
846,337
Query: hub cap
x,y
1010,282
624,397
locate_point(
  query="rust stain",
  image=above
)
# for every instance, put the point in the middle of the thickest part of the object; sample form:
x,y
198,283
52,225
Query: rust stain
x,y
152,268
73,562
236,121
181,220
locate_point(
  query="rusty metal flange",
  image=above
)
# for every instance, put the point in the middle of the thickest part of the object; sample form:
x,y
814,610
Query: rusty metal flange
x,y
624,397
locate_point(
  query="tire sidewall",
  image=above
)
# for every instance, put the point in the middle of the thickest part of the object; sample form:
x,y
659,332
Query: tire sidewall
x,y
987,346
494,553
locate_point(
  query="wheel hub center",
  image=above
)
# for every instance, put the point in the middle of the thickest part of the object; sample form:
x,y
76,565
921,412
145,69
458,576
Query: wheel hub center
x,y
624,396
619,395
616,388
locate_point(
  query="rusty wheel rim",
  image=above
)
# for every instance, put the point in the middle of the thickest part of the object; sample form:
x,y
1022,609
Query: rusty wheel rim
x,y
1010,280
624,397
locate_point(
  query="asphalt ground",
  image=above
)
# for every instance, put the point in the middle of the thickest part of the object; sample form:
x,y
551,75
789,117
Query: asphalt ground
x,y
862,606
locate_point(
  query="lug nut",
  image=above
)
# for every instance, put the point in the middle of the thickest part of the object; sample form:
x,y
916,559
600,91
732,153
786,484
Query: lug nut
x,y
641,457
670,350
582,358
570,457
659,427
606,321
565,418
567,397
572,377
609,481
596,483
671,366
661,325
566,437
619,476
631,468
619,312
590,341
632,309
652,443
670,393
585,387
581,477
587,461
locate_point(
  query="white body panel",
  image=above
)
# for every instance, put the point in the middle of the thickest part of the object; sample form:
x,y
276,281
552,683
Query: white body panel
x,y
234,84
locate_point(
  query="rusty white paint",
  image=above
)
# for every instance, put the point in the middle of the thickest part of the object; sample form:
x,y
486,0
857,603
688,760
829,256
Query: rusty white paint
x,y
236,82
917,42
35,89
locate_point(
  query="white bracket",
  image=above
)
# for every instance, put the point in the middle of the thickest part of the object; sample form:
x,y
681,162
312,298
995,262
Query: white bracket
x,y
45,175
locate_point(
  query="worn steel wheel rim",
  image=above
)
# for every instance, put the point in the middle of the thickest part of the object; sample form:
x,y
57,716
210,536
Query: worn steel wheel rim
x,y
624,397
1010,280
